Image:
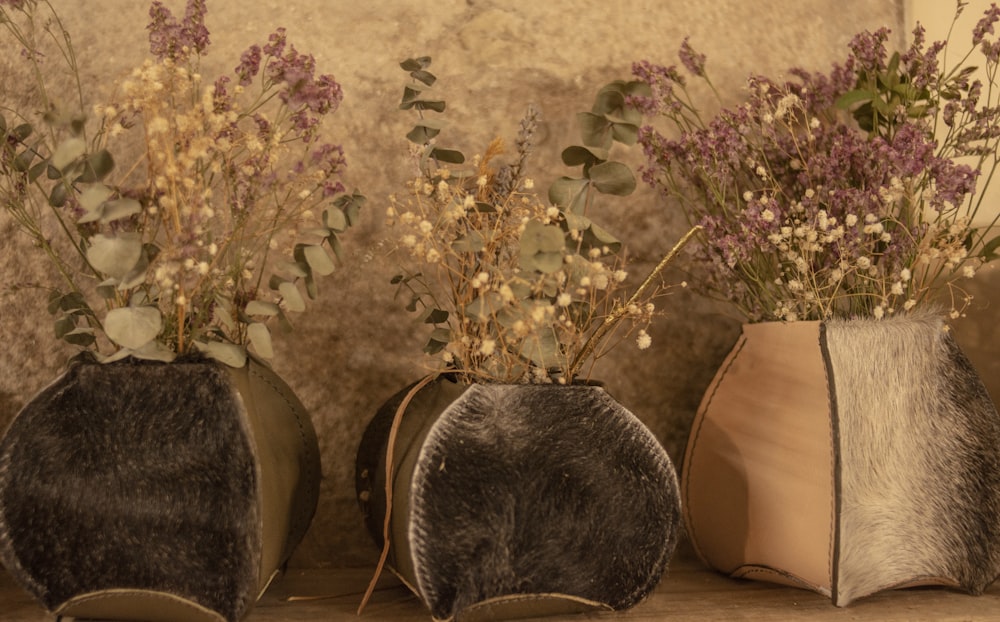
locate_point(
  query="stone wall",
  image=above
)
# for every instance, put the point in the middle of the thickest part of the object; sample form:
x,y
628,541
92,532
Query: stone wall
x,y
356,346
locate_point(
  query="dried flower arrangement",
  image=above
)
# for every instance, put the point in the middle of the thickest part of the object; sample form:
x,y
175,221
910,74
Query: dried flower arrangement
x,y
853,193
517,288
211,231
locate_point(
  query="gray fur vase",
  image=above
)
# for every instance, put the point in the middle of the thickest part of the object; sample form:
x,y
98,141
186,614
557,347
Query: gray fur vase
x,y
847,457
151,491
520,500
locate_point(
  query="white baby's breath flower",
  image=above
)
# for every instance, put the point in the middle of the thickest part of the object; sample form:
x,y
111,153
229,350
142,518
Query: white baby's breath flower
x,y
643,340
564,299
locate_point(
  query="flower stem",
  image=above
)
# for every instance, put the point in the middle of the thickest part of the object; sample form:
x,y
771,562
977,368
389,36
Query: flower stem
x,y
611,320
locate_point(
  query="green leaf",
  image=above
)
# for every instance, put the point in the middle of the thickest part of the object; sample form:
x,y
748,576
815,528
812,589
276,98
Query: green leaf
x,y
625,133
335,219
120,208
416,64
440,337
21,132
989,251
594,130
293,298
260,339
133,327
59,194
115,255
97,166
83,337
447,155
67,152
569,193
577,155
542,247
260,307
23,160
856,96
37,170
91,198
318,260
351,205
613,178
436,316
542,349
425,130
226,353
64,325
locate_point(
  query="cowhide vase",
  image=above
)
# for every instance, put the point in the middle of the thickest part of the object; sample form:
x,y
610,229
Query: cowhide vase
x,y
847,457
520,500
151,491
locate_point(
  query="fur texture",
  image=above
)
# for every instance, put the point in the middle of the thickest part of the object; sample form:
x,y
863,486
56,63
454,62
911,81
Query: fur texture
x,y
532,489
132,475
920,459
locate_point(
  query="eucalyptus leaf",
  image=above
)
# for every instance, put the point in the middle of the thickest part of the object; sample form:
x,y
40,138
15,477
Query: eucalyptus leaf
x,y
67,152
569,193
318,260
115,255
576,155
21,132
58,195
293,298
152,351
92,198
227,353
450,156
23,160
543,350
594,130
133,327
36,171
416,64
120,208
97,166
613,178
542,247
260,307
335,219
83,337
260,339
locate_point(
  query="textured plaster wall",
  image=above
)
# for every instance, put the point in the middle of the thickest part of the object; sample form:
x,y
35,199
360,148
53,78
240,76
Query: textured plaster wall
x,y
356,347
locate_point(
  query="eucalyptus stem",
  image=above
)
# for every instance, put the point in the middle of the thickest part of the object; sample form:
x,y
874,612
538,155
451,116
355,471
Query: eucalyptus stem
x,y
618,314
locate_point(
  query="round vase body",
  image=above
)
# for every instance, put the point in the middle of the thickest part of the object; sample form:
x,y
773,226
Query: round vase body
x,y
846,457
150,491
520,500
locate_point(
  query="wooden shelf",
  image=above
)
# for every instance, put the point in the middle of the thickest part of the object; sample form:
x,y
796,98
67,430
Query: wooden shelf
x,y
688,592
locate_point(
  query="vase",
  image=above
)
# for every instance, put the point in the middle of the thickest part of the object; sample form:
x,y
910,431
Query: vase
x,y
847,457
138,490
519,500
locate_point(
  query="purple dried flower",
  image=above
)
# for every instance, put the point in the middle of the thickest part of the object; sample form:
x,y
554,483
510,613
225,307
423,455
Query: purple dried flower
x,y
985,25
249,65
171,39
692,61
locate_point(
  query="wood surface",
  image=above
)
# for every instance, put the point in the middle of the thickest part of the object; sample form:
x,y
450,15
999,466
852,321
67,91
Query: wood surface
x,y
688,592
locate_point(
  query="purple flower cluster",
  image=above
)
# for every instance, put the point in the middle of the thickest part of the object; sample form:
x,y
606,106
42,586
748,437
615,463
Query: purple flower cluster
x,y
813,207
175,40
308,95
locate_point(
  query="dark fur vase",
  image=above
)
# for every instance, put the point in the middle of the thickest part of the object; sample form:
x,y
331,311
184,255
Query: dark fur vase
x,y
150,491
521,500
847,457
